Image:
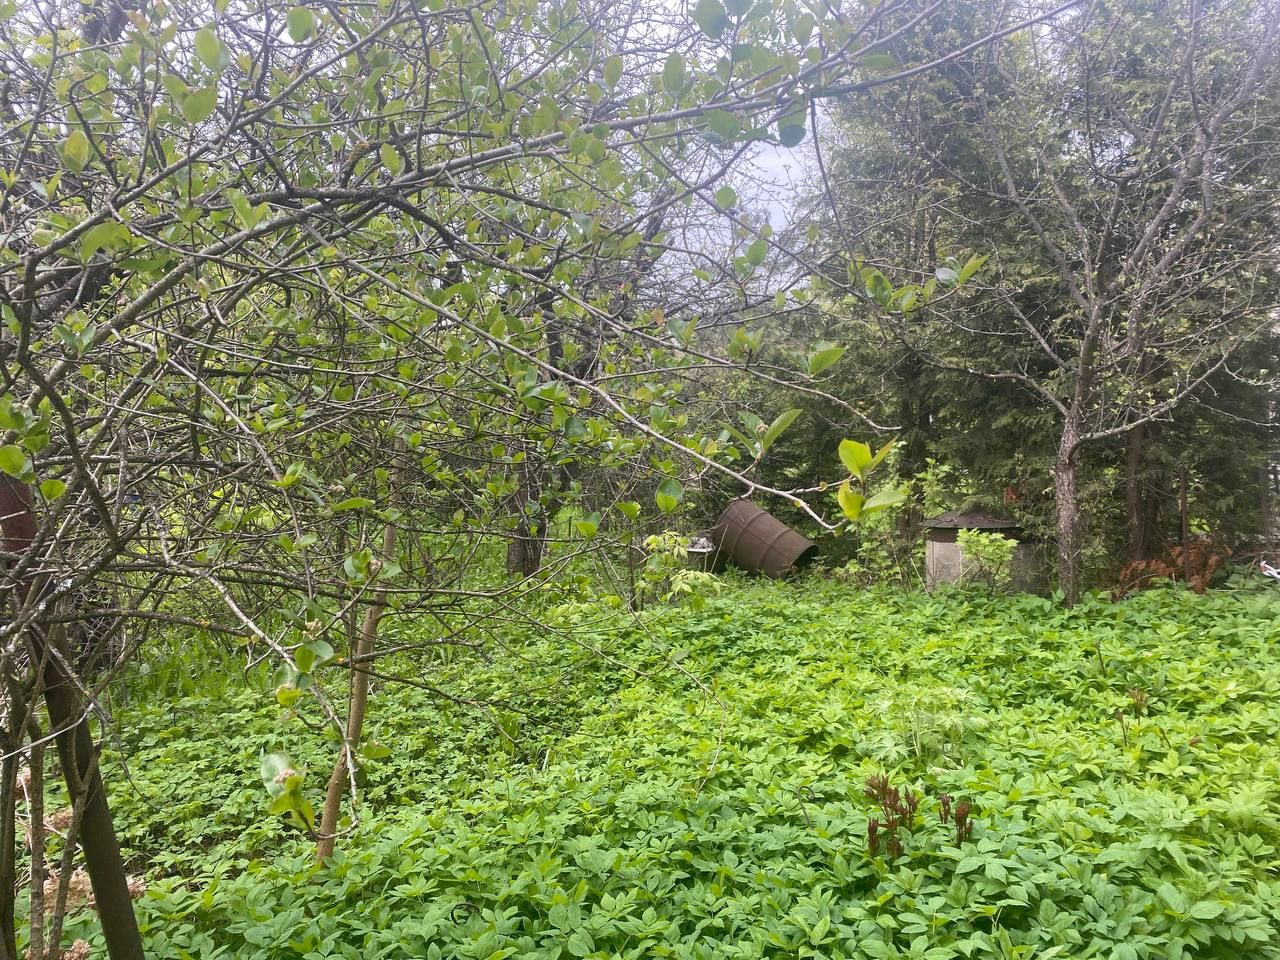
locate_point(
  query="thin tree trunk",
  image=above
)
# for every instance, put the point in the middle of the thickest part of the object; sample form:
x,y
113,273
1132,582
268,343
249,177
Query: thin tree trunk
x,y
357,706
1137,536
1070,524
76,751
8,868
524,553
79,759
35,789
1185,524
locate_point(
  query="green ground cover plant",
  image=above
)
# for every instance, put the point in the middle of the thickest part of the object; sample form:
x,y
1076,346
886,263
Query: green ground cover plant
x,y
792,770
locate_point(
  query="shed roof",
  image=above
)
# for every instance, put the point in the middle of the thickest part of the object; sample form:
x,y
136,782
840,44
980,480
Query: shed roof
x,y
969,520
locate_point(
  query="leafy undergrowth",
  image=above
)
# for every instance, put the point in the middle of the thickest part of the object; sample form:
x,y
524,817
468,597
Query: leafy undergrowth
x,y
1119,762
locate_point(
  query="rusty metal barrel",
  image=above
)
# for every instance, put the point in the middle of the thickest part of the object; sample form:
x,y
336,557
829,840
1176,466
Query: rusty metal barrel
x,y
759,542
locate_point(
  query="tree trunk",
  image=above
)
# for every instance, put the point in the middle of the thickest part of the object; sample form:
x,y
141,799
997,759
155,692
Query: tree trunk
x,y
1137,534
8,868
76,751
357,706
1144,494
524,552
1070,524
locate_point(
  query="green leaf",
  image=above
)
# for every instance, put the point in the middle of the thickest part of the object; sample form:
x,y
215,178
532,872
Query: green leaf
x,y
52,488
357,565
1174,898
301,23
888,497
1206,910
198,105
13,460
321,650
737,8
881,454
711,18
630,509
946,276
850,501
726,197
856,457
208,48
822,356
612,71
669,495
780,423
391,159
277,770
588,525
103,235
673,74
723,125
793,126
351,503
75,150
878,287
757,251
880,63
802,29
972,266
248,215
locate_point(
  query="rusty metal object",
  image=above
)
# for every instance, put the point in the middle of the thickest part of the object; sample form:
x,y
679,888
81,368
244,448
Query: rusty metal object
x,y
759,542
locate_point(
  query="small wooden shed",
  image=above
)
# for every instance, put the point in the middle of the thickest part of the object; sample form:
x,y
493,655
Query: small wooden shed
x,y
945,563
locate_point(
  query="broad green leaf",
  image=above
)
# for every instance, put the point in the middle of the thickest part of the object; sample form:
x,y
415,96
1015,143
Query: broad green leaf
x,y
630,509
879,63
102,236
723,124
351,503
850,501
75,150
13,460
888,497
946,276
52,488
822,356
588,525
972,266
673,74
248,214
321,651
711,18
881,454
301,23
208,48
669,495
612,71
726,197
391,159
856,457
358,565
277,769
198,105
780,423
757,251
878,287
793,125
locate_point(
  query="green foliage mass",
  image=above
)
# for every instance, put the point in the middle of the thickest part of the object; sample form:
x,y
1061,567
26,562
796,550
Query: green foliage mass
x,y
1120,761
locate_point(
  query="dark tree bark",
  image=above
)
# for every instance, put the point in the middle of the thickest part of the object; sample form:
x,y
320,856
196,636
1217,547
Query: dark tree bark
x,y
77,753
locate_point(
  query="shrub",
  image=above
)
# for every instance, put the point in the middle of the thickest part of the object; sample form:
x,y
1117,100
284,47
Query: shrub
x,y
987,558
